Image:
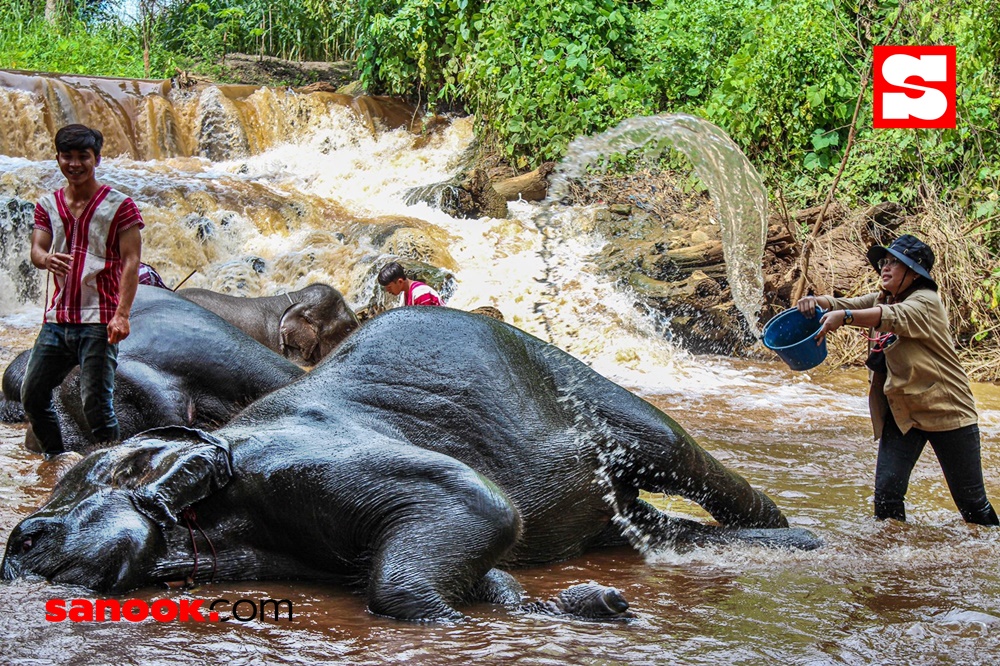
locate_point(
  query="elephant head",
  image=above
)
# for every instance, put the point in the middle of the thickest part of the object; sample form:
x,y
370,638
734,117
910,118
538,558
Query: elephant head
x,y
313,327
105,525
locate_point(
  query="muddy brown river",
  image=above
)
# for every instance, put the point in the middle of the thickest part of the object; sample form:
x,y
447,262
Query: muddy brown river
x,y
924,592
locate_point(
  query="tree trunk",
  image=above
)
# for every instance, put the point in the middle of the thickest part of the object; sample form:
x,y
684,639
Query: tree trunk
x,y
57,9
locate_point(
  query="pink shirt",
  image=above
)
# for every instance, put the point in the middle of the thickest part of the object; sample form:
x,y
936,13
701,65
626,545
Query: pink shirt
x,y
89,293
420,294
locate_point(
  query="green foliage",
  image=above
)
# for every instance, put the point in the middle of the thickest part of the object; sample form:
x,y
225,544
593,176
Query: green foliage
x,y
540,75
75,45
536,75
780,76
290,29
685,52
415,46
786,93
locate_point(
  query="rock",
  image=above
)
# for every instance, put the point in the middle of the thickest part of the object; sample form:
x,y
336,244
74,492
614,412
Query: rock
x,y
318,86
486,201
880,221
354,88
267,70
488,311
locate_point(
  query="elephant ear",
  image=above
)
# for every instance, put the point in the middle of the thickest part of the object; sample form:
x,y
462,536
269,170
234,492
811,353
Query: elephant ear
x,y
173,468
299,333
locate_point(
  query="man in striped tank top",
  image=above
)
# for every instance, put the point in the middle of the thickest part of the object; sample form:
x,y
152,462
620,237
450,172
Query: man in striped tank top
x,y
86,235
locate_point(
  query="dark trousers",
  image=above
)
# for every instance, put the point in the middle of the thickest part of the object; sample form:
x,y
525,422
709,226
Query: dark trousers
x,y
58,349
958,453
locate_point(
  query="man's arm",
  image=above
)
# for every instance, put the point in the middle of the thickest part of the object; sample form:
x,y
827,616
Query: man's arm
x,y
130,248
54,262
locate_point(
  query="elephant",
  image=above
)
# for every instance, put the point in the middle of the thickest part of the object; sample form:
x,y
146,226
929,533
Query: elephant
x,y
181,365
303,325
11,410
432,452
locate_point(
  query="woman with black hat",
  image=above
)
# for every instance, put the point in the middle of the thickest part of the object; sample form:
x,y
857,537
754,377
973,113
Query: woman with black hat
x,y
919,391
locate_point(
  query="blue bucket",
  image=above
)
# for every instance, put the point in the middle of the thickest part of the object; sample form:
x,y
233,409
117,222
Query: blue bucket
x,y
790,335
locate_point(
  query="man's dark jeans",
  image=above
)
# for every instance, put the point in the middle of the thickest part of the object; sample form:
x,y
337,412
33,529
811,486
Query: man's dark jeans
x,y
958,452
58,349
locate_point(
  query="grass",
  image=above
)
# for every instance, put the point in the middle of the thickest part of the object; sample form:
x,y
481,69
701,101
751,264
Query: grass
x,y
74,47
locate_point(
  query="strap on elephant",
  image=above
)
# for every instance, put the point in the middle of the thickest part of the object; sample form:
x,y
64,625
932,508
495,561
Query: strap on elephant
x,y
189,517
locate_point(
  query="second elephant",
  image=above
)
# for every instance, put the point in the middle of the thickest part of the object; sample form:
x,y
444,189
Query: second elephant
x,y
303,325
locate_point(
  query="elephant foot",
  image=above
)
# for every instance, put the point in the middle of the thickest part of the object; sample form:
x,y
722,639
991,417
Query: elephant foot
x,y
588,601
788,538
498,587
647,529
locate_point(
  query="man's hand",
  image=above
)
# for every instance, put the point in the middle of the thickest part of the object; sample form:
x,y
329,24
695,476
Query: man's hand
x,y
58,263
118,328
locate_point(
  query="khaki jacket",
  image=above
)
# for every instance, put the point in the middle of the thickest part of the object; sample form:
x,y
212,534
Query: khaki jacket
x,y
926,386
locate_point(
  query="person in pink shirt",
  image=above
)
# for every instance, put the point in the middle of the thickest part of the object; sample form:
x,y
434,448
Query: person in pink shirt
x,y
393,279
86,237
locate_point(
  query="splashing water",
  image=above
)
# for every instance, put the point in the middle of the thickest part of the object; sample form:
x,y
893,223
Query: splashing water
x,y
733,183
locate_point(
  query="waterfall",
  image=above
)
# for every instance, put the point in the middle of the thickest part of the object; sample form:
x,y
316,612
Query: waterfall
x,y
260,191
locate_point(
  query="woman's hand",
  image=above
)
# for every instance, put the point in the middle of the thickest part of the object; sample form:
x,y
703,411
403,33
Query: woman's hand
x,y
829,322
807,306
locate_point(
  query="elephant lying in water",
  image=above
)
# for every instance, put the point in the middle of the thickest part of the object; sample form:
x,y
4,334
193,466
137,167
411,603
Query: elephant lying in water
x,y
303,325
181,365
414,469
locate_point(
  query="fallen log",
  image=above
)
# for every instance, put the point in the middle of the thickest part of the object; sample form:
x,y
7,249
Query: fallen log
x,y
531,186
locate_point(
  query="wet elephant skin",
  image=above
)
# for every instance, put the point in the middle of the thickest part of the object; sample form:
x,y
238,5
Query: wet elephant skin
x,y
303,325
180,365
431,448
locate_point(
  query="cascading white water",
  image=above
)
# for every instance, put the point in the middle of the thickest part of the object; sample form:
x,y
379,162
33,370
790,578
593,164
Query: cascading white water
x,y
329,203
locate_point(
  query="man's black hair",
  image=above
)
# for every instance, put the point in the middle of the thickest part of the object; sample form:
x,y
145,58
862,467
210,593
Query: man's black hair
x,y
79,137
390,273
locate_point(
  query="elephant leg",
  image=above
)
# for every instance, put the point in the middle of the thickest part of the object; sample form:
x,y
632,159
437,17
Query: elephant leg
x,y
497,587
660,530
445,528
589,601
646,449
11,410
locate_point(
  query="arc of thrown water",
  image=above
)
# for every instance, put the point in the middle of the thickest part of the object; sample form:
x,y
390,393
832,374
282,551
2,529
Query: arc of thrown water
x,y
733,183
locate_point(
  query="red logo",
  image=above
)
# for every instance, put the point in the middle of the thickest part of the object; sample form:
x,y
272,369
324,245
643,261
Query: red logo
x,y
914,87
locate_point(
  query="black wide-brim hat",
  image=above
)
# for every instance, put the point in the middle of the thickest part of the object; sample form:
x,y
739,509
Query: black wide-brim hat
x,y
911,251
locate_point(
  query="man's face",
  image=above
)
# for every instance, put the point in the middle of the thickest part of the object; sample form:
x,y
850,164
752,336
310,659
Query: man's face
x,y
78,165
397,287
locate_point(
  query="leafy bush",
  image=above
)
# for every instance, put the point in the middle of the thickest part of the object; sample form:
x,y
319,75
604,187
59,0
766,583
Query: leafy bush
x,y
75,46
290,29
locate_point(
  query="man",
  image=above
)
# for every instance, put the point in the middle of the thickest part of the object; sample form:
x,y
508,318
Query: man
x,y
87,236
394,280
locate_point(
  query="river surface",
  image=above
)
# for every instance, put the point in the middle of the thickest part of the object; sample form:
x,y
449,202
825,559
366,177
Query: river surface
x,y
326,200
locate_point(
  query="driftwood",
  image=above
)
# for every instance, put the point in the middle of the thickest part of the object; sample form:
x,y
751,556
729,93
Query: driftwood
x,y
703,254
531,186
